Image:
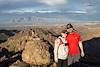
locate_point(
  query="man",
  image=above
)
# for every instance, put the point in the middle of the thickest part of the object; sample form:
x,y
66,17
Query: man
x,y
75,45
61,50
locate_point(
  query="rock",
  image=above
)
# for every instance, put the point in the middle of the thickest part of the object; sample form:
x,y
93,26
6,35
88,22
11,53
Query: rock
x,y
3,36
18,42
3,54
37,53
3,58
19,63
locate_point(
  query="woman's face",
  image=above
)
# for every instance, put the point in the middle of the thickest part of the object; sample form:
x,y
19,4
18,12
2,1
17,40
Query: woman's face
x,y
70,30
63,34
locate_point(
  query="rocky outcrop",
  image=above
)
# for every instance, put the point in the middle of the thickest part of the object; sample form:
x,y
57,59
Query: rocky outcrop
x,y
18,42
36,45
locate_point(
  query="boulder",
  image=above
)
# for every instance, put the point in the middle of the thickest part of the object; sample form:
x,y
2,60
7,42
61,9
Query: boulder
x,y
37,52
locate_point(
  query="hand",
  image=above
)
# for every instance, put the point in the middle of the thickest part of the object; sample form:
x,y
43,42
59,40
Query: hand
x,y
56,60
82,54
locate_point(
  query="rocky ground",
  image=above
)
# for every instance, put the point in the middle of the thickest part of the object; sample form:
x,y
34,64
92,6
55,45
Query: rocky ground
x,y
33,47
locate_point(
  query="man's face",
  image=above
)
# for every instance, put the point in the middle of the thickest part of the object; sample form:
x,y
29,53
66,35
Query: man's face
x,y
70,30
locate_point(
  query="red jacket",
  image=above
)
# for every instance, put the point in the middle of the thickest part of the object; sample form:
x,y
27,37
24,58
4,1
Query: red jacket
x,y
73,41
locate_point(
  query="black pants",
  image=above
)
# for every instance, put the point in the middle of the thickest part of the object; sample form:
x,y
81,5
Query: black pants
x,y
62,63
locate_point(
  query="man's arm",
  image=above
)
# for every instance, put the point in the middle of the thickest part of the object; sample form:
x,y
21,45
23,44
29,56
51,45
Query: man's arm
x,y
81,48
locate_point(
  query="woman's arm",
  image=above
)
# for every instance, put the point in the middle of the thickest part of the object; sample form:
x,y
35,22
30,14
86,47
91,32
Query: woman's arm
x,y
56,50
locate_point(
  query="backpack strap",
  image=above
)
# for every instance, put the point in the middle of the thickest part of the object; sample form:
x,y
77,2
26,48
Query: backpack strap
x,y
61,42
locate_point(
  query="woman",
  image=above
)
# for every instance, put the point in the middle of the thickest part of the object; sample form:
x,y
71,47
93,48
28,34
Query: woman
x,y
61,50
75,45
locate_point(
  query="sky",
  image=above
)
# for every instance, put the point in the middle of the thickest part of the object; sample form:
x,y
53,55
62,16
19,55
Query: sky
x,y
82,10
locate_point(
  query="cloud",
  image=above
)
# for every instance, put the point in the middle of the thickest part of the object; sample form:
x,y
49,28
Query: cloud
x,y
44,6
19,4
12,2
89,8
77,12
30,10
5,1
54,2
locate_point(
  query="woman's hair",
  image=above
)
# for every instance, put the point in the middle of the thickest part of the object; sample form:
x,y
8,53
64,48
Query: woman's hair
x,y
63,31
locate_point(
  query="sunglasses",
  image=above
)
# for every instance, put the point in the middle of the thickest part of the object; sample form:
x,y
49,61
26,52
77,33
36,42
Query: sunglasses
x,y
69,27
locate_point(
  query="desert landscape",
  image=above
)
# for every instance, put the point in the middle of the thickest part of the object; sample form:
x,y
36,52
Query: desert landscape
x,y
33,46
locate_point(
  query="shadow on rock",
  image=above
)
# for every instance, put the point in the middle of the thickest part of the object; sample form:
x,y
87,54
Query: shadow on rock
x,y
7,58
5,34
9,32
